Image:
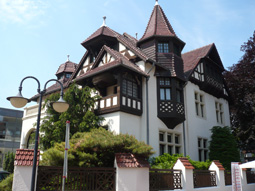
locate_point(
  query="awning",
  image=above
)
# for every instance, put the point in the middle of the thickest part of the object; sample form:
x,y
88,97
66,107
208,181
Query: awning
x,y
250,164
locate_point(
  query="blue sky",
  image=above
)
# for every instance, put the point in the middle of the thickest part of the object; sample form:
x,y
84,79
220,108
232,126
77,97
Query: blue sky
x,y
36,35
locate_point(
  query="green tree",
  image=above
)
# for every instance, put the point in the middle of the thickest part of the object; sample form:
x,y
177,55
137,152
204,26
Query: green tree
x,y
96,148
223,146
240,80
80,114
8,163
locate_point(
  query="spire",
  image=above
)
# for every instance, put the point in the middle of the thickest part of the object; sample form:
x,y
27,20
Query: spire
x,y
158,24
104,22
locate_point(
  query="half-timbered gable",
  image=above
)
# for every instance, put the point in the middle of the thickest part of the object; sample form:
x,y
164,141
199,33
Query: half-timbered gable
x,y
203,67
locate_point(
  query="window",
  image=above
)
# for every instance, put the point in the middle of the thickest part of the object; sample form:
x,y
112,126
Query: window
x,y
163,47
169,142
165,90
2,130
68,75
219,112
199,72
202,149
130,86
199,104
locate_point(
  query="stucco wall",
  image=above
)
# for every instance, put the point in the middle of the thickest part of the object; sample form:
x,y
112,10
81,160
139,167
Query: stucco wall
x,y
198,127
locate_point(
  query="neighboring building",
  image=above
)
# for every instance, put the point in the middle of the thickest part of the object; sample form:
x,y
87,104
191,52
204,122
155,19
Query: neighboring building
x,y
10,131
151,90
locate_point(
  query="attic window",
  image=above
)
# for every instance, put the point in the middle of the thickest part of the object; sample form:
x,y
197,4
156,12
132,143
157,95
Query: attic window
x,y
163,47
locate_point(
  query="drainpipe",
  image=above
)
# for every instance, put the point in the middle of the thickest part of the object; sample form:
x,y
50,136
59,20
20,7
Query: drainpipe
x,y
147,106
183,124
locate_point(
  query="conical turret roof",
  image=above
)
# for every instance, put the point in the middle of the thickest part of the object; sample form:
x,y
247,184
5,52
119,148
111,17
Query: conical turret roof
x,y
158,24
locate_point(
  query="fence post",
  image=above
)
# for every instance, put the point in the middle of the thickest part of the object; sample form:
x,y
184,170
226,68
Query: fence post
x,y
187,173
132,173
23,169
220,176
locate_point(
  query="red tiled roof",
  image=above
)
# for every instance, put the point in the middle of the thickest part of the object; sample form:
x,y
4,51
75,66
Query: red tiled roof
x,y
128,160
218,164
104,30
24,157
120,60
192,58
158,24
68,66
186,163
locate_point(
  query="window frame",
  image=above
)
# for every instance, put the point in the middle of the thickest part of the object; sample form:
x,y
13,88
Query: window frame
x,y
130,87
163,47
219,112
171,146
203,149
199,104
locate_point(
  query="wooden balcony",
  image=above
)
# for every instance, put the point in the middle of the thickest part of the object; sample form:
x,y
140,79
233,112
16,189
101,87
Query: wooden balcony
x,y
113,103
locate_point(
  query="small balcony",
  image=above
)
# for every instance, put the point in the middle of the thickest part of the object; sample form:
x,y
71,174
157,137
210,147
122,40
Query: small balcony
x,y
117,102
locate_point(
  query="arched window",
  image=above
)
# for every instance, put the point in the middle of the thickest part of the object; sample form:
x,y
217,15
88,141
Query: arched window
x,y
31,140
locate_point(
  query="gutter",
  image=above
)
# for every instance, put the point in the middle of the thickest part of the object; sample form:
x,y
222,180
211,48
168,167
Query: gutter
x,y
147,106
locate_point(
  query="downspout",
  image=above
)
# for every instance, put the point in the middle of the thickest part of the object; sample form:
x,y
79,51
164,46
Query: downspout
x,y
183,124
147,106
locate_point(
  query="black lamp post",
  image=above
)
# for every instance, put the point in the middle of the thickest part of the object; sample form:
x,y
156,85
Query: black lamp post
x,y
59,106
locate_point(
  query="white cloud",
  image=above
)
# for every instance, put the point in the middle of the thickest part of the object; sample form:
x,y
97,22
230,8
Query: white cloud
x,y
20,11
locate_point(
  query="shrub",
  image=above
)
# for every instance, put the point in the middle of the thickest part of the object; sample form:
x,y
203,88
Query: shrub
x,y
8,163
167,161
6,184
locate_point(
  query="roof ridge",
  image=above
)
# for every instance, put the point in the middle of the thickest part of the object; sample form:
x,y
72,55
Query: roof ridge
x,y
198,48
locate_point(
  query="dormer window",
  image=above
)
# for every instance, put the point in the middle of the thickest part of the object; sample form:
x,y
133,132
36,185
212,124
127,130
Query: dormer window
x,y
165,89
163,47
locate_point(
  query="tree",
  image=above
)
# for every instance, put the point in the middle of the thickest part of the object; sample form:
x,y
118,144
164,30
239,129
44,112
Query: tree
x,y
223,146
8,164
96,148
240,80
80,114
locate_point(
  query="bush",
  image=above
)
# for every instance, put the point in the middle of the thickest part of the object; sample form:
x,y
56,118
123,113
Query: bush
x,y
95,149
167,161
6,184
8,164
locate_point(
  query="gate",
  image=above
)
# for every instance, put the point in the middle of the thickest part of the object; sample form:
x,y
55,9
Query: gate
x,y
78,178
163,179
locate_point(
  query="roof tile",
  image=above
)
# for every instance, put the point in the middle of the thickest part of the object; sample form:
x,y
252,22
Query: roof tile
x,y
128,160
186,163
218,164
24,157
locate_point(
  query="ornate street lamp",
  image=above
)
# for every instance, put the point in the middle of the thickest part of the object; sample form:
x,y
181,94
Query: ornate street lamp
x,y
19,101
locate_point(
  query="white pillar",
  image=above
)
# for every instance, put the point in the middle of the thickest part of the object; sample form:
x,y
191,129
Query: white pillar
x,y
220,176
132,174
187,173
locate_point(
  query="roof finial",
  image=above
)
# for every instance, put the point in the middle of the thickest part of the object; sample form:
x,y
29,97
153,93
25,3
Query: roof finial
x,y
156,2
136,35
68,57
104,22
